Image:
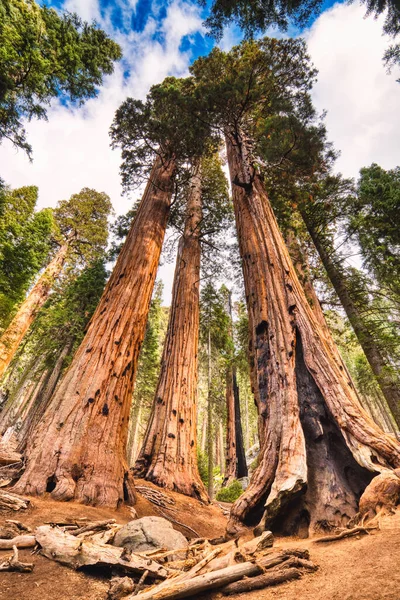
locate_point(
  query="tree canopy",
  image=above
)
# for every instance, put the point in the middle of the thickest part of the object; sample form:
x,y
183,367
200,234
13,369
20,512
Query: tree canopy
x,y
45,55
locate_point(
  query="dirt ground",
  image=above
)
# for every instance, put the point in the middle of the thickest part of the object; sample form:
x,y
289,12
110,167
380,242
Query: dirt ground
x,y
367,568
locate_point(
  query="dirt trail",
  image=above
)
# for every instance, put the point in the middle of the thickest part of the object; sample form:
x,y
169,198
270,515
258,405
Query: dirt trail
x,y
353,569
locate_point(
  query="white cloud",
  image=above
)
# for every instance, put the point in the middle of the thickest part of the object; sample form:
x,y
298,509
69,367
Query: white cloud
x,y
362,100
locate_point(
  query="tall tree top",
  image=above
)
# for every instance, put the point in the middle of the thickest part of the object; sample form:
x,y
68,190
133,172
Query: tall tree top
x,y
82,222
165,125
44,55
255,16
254,80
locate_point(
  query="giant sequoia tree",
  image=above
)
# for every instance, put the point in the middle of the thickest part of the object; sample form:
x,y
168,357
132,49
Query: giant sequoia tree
x,y
79,449
318,447
297,167
169,453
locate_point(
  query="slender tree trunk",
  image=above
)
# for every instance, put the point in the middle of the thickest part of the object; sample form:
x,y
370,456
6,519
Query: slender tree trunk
x,y
15,332
388,382
38,408
168,456
133,447
221,453
236,466
230,458
318,446
79,449
203,441
210,449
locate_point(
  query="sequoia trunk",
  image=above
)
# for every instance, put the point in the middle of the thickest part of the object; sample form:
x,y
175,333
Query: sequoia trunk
x,y
79,449
388,382
318,446
168,456
15,332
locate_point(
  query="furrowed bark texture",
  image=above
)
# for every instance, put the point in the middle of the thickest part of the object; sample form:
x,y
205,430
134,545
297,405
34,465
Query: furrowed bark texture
x,y
34,413
304,396
168,454
15,332
376,406
388,382
79,449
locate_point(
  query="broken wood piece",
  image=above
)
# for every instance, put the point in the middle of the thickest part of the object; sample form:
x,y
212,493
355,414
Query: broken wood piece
x,y
8,456
20,525
10,501
120,587
186,585
20,541
13,564
80,552
346,533
265,540
92,527
140,583
262,581
299,563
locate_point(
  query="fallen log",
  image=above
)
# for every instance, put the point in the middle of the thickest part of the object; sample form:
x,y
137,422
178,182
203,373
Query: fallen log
x,y
345,534
188,586
20,541
94,527
262,581
77,553
13,564
9,501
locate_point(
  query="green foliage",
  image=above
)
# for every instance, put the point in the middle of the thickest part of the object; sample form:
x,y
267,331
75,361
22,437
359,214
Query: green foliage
x,y
164,125
255,16
67,312
25,237
82,222
374,214
44,55
230,493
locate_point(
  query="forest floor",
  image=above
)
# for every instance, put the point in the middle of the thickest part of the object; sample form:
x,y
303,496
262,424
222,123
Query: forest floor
x,y
351,569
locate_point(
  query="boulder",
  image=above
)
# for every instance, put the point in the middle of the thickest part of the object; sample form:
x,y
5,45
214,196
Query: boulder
x,y
149,533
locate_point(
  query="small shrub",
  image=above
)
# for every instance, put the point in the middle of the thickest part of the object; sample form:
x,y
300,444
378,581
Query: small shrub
x,y
230,493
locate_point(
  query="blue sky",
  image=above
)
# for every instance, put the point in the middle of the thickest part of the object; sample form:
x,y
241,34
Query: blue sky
x,y
72,149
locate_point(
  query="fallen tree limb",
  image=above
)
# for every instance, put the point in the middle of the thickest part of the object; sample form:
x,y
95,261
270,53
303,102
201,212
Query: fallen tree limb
x,y
97,526
188,586
13,564
20,541
77,553
262,581
345,534
9,501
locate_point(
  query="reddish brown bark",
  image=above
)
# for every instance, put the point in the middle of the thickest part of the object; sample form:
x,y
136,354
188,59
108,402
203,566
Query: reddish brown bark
x,y
79,449
15,332
318,446
168,454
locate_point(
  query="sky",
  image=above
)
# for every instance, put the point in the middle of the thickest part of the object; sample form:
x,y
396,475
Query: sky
x,y
158,38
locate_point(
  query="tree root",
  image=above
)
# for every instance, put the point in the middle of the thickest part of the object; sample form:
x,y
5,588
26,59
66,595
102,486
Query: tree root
x,y
346,533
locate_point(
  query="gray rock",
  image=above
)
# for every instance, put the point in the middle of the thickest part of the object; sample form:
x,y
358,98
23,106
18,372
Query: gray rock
x,y
149,533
